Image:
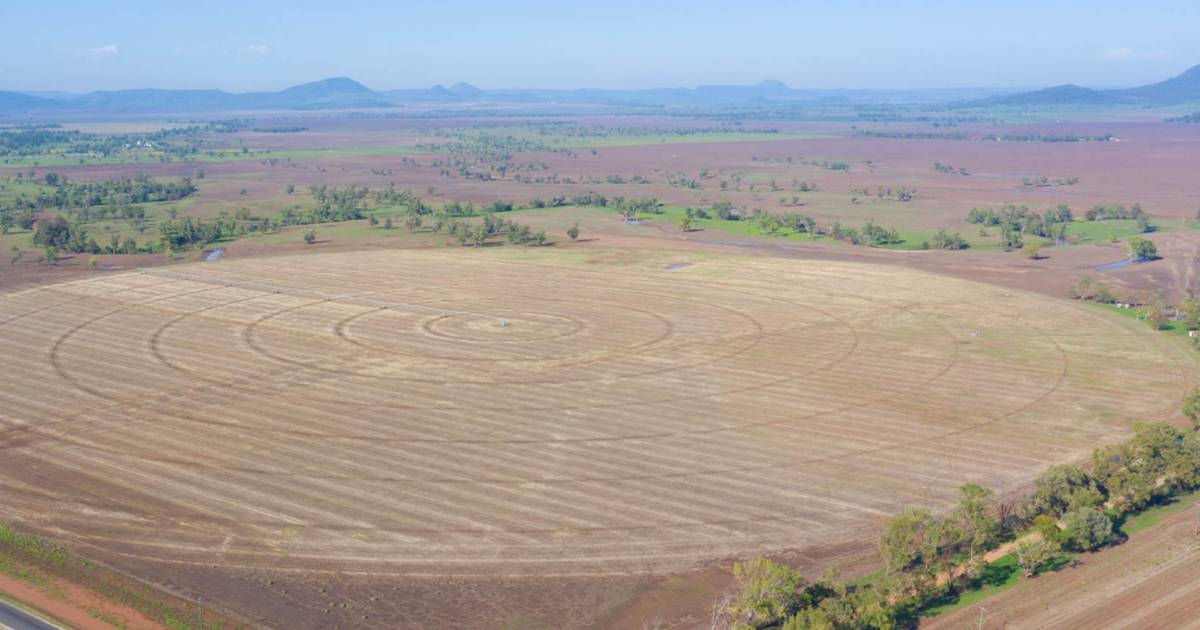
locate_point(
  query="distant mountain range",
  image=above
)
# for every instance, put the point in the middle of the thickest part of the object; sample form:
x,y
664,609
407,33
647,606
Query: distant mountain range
x,y
342,93
1174,91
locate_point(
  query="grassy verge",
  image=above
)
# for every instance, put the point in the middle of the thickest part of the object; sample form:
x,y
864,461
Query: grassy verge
x,y
38,562
1173,328
1155,515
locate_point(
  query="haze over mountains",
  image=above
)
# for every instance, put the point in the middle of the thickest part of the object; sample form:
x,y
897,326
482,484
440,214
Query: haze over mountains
x,y
1174,91
343,92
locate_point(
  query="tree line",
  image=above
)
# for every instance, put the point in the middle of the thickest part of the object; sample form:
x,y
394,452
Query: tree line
x,y
931,558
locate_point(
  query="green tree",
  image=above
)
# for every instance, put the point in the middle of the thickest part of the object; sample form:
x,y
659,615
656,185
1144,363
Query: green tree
x,y
1087,529
767,592
1033,554
1138,248
1047,527
975,519
1191,404
50,254
1146,467
573,232
16,255
1060,488
1191,312
310,237
685,223
909,539
1157,317
1032,250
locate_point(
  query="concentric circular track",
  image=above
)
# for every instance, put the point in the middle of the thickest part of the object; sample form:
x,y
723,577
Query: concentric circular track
x,y
473,412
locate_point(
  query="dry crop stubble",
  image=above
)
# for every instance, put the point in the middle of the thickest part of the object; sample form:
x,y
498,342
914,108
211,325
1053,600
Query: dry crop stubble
x,y
501,413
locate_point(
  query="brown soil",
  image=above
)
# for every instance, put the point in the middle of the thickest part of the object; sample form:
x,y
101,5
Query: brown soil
x,y
75,605
1150,581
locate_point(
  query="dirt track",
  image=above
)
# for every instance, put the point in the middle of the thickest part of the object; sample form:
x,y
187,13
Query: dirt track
x,y
1151,581
517,412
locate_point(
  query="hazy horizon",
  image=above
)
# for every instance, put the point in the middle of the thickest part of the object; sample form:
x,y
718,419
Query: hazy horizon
x,y
76,46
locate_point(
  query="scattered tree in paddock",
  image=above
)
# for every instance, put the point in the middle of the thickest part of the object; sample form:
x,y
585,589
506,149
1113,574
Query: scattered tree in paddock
x,y
310,237
1140,249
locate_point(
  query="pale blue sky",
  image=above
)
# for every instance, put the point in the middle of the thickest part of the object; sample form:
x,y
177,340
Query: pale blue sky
x,y
81,45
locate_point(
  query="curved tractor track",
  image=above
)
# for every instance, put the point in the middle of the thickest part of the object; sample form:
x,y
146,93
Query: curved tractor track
x,y
407,413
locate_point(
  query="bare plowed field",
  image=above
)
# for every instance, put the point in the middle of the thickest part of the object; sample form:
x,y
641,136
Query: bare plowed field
x,y
524,412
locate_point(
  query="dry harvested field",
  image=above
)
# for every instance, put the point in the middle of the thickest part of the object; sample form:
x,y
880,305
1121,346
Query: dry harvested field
x,y
499,413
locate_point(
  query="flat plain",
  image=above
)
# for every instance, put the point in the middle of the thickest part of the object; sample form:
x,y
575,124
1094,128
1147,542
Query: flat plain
x,y
499,412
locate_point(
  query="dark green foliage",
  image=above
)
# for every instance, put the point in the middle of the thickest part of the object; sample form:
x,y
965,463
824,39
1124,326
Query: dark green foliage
x,y
767,592
1063,487
1191,119
1109,213
1191,406
1144,469
1087,529
1138,248
945,240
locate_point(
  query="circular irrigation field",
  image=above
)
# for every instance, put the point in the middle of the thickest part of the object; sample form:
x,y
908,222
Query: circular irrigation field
x,y
476,412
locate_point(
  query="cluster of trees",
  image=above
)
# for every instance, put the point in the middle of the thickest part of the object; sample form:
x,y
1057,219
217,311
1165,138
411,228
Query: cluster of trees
x,y
573,130
950,170
56,235
870,234
1114,212
15,217
279,129
1190,119
943,239
1018,222
1042,181
1088,288
930,557
884,192
682,180
914,135
60,193
1070,137
179,142
832,166
631,208
590,199
775,223
478,234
